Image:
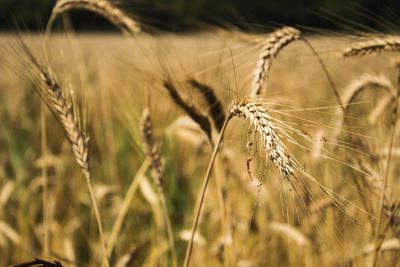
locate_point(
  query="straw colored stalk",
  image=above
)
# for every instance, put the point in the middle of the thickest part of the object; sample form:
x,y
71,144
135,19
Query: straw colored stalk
x,y
276,150
380,233
270,49
153,154
47,86
101,7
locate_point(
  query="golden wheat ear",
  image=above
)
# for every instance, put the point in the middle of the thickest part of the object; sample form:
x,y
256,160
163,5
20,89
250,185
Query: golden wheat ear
x,y
376,45
102,7
270,49
51,92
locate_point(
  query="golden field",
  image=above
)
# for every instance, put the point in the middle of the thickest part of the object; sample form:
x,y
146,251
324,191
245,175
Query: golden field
x,y
247,220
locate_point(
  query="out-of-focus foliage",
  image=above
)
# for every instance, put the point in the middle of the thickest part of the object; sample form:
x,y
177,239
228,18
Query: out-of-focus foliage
x,y
178,15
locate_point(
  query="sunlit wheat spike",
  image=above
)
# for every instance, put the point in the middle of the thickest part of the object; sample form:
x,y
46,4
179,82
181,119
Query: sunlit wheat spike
x,y
151,148
49,89
69,122
270,49
101,7
384,44
261,121
215,106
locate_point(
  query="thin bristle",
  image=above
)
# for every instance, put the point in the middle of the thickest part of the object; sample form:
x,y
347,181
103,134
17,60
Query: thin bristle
x,y
272,46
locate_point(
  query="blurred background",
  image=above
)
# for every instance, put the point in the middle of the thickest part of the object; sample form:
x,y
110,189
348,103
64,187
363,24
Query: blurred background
x,y
184,15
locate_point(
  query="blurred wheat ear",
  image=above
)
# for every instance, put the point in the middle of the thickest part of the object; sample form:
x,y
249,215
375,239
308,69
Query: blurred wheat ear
x,y
102,7
154,155
39,263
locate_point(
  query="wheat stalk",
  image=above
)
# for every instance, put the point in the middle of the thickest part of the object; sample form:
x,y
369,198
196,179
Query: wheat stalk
x,y
274,147
153,153
376,45
380,237
47,86
101,7
270,49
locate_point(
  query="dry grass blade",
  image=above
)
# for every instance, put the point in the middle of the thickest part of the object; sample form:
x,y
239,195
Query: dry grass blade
x,y
50,90
101,7
215,106
377,45
271,47
192,111
153,153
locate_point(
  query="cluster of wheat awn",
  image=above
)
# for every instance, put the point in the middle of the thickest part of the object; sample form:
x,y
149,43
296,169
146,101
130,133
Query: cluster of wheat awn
x,y
327,180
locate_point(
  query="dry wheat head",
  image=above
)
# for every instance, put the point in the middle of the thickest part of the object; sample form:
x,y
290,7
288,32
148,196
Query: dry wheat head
x,y
384,44
270,49
261,121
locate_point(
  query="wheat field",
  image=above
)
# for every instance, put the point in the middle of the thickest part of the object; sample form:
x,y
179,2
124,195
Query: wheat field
x,y
106,141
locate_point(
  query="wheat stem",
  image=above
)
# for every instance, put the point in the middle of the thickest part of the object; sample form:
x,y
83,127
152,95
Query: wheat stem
x,y
202,193
125,206
45,193
378,241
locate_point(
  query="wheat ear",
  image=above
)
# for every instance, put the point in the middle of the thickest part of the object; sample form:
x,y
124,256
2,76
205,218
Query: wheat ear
x,y
377,45
379,240
274,147
50,91
355,88
153,153
192,111
215,107
101,7
270,49
261,122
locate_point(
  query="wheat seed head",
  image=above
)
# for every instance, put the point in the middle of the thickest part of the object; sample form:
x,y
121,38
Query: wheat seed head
x,y
377,45
259,118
